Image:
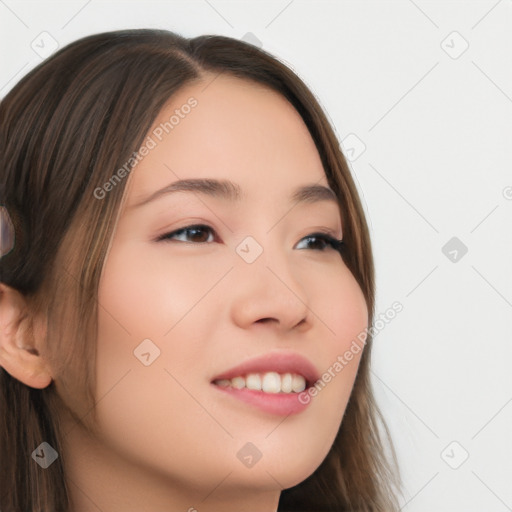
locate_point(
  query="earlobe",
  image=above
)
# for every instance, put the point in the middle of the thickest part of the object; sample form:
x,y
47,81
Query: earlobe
x,y
19,355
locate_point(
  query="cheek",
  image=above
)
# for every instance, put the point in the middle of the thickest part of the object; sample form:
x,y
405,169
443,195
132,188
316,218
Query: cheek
x,y
342,312
147,293
151,310
350,321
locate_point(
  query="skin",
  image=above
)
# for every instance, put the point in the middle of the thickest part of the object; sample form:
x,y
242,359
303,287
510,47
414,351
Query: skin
x,y
166,438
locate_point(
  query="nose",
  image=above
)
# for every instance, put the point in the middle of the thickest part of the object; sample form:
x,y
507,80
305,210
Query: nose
x,y
268,292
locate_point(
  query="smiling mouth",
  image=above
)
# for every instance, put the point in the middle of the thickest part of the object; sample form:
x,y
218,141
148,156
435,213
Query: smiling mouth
x,y
267,382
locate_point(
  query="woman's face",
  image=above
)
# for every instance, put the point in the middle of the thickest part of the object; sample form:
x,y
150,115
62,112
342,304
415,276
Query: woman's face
x,y
177,313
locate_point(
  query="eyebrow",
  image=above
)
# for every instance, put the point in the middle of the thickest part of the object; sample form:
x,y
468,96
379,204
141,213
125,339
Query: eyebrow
x,y
225,189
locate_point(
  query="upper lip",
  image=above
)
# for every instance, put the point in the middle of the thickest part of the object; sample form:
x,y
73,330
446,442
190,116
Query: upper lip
x,y
274,362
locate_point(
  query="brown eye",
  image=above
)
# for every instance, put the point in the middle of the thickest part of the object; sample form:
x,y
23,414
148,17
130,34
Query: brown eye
x,y
196,234
321,242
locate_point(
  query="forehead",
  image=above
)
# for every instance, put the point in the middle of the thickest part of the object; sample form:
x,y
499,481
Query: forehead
x,y
228,128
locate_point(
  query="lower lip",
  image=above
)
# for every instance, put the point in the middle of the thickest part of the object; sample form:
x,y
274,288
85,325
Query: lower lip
x,y
282,404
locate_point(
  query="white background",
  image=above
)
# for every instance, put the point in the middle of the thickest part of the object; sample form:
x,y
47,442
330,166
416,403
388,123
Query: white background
x,y
431,149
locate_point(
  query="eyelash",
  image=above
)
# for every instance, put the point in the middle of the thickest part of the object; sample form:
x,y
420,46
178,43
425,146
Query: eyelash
x,y
330,241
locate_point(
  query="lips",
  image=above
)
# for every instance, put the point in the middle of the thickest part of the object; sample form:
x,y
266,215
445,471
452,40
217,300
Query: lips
x,y
296,372
280,363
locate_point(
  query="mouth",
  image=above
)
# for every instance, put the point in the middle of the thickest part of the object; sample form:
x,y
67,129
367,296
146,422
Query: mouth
x,y
268,382
273,383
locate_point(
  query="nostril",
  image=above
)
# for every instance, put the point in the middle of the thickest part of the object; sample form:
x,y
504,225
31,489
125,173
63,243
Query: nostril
x,y
266,320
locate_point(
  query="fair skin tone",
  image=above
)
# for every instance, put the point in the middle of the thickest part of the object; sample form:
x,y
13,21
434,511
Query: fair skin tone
x,y
167,439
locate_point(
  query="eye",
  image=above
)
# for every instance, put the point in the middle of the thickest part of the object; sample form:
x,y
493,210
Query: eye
x,y
196,231
322,241
196,234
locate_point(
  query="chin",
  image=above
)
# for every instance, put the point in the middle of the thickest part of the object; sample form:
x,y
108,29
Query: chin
x,y
283,468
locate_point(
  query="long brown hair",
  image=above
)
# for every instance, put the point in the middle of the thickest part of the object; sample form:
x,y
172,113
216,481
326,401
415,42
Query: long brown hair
x,y
65,128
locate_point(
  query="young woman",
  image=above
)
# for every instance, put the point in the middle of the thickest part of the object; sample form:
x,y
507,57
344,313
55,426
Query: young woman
x,y
186,288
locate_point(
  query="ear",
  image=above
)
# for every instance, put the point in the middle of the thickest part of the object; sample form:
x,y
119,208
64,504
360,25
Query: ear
x,y
21,337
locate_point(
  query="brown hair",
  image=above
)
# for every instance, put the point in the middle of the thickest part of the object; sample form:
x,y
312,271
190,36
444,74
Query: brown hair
x,y
64,129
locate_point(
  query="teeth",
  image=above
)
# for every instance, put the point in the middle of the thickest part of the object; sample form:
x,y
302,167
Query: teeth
x,y
238,382
286,383
298,383
270,382
253,381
